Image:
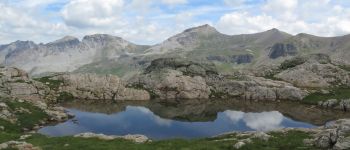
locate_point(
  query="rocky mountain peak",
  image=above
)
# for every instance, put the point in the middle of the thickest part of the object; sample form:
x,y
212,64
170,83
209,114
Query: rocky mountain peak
x,y
202,29
99,37
23,44
64,40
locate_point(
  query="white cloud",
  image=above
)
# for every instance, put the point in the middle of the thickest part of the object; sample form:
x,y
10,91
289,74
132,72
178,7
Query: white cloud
x,y
174,2
87,13
234,116
149,22
243,22
321,18
263,121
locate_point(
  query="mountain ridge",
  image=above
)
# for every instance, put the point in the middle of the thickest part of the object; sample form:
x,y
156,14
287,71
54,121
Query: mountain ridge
x,y
203,43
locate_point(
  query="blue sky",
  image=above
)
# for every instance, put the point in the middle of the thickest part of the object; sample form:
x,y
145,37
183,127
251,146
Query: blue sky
x,y
152,21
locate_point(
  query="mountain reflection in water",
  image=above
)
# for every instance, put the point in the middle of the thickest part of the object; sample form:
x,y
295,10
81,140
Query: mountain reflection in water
x,y
185,119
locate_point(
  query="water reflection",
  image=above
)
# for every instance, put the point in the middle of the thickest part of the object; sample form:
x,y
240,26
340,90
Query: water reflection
x,y
187,119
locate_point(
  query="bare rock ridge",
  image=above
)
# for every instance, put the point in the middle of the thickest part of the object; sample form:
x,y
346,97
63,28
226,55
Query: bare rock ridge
x,y
66,54
199,43
95,87
175,78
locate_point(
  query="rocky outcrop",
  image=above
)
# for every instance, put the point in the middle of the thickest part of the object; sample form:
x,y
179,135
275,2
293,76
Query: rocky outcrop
x,y
99,87
15,82
254,88
239,59
335,135
343,104
282,50
18,145
135,138
173,78
185,66
15,86
314,71
173,84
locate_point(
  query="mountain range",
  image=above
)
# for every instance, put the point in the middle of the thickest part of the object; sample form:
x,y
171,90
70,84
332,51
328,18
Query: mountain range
x,y
101,53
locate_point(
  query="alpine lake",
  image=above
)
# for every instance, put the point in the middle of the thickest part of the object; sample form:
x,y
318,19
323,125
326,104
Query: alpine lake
x,y
187,119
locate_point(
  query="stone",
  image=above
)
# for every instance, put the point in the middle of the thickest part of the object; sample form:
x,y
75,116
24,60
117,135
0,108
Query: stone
x,y
136,138
18,145
329,103
23,137
343,143
238,145
344,105
262,136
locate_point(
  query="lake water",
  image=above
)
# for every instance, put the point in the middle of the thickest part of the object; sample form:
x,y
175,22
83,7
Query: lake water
x,y
164,121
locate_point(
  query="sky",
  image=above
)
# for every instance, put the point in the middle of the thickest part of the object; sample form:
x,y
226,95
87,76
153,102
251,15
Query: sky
x,y
152,21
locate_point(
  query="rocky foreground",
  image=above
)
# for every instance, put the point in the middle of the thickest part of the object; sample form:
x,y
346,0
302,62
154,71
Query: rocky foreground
x,y
27,104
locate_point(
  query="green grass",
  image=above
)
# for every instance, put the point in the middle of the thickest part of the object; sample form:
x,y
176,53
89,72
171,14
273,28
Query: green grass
x,y
20,81
27,120
336,93
56,143
13,131
53,84
292,140
288,141
4,137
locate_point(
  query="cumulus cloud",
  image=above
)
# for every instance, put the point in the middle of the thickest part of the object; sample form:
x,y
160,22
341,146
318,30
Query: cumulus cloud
x,y
149,22
263,121
234,116
87,13
321,18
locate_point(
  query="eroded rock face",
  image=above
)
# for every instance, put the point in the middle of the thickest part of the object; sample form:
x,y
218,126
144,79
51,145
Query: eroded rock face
x,y
99,87
171,78
187,67
255,88
334,135
172,84
15,82
282,50
313,71
315,75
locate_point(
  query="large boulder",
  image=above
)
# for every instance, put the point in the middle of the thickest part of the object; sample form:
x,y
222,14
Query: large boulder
x,y
313,71
172,78
187,67
254,88
15,82
334,135
173,84
99,87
